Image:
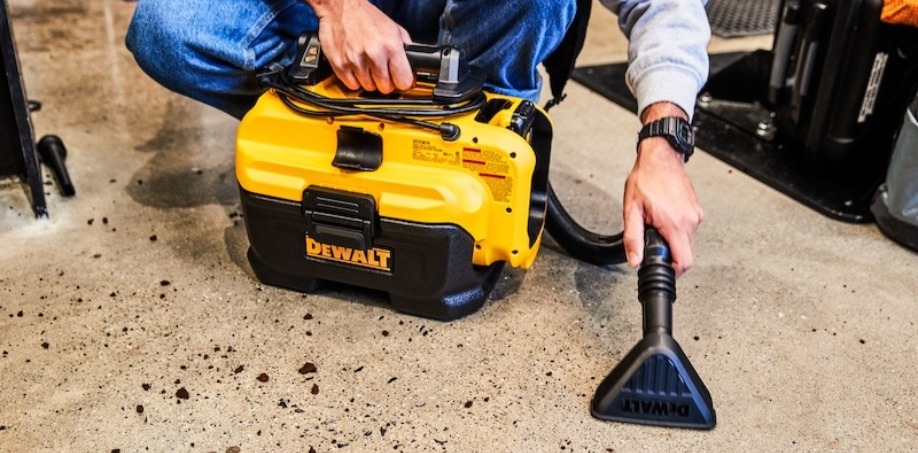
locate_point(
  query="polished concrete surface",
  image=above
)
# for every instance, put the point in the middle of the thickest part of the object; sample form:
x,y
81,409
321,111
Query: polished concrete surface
x,y
130,320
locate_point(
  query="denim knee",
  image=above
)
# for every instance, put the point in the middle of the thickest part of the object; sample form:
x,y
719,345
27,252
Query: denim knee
x,y
211,50
155,40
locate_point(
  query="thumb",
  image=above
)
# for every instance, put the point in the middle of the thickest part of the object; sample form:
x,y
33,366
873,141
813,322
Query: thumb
x,y
634,237
406,37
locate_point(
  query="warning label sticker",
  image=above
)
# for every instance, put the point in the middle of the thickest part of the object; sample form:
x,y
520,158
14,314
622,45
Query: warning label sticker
x,y
426,151
493,168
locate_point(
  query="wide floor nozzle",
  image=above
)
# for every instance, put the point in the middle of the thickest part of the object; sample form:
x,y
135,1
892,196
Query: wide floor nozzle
x,y
655,384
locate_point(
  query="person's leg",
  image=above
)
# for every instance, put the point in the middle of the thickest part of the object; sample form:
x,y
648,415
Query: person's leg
x,y
211,50
507,38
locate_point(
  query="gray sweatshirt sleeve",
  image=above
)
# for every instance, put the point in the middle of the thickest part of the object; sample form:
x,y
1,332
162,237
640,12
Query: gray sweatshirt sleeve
x,y
667,49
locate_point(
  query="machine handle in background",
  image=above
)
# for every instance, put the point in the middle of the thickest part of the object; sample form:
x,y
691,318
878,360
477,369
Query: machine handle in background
x,y
806,61
52,152
784,43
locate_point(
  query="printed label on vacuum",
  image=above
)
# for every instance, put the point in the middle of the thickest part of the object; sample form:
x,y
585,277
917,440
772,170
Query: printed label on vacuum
x,y
426,151
873,86
375,258
493,169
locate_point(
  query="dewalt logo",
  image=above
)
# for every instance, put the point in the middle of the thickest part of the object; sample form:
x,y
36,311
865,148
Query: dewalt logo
x,y
376,258
654,408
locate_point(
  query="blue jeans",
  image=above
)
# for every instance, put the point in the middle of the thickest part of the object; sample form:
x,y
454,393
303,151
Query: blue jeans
x,y
211,50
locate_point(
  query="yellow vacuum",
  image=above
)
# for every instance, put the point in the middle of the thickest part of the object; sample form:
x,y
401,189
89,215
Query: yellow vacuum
x,y
424,195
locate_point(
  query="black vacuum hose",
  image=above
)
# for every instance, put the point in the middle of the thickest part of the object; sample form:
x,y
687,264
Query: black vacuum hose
x,y
579,242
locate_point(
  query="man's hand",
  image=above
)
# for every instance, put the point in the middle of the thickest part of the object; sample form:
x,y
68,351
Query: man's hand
x,y
658,192
365,47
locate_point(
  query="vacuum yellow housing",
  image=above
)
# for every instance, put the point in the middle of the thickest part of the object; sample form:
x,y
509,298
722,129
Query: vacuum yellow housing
x,y
390,205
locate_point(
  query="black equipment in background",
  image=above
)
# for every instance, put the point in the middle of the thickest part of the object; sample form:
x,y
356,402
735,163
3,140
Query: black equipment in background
x,y
858,75
815,116
18,154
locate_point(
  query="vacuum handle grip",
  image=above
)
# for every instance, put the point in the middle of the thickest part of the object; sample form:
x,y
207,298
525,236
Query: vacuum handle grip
x,y
424,58
656,283
444,67
310,65
656,250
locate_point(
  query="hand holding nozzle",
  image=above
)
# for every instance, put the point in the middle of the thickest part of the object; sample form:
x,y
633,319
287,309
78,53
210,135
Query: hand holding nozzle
x,y
655,383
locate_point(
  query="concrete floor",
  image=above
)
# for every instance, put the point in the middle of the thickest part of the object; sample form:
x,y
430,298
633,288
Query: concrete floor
x,y
131,321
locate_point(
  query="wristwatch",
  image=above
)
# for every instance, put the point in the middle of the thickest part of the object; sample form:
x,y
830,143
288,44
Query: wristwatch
x,y
677,131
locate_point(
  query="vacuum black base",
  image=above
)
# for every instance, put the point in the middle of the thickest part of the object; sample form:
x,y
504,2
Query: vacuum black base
x,y
426,269
445,307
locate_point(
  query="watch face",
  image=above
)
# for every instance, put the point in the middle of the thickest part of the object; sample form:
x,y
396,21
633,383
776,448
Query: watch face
x,y
685,136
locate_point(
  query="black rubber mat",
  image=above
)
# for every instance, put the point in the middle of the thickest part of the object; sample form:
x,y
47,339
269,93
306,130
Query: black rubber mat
x,y
737,18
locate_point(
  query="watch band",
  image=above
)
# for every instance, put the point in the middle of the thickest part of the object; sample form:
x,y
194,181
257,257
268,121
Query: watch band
x,y
676,130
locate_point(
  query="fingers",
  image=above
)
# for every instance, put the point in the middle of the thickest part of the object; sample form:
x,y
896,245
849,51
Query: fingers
x,y
680,235
679,238
392,73
366,49
380,64
383,71
365,74
658,193
633,237
400,68
402,75
347,78
680,246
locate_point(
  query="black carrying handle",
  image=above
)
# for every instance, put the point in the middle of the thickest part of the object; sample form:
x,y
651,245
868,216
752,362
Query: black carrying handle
x,y
657,284
428,59
444,66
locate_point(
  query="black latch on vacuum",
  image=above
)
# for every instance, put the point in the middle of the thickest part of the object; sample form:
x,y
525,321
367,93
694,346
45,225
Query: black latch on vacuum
x,y
336,217
308,66
358,149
